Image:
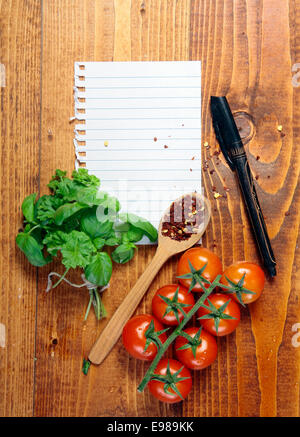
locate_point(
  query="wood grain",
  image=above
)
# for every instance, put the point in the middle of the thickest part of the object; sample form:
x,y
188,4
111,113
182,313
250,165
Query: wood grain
x,y
257,80
20,24
247,49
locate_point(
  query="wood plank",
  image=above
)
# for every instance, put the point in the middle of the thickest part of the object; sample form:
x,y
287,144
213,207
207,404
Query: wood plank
x,y
246,52
20,43
94,30
258,370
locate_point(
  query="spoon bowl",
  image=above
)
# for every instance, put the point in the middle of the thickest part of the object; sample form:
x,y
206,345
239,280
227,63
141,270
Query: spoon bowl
x,y
167,246
177,246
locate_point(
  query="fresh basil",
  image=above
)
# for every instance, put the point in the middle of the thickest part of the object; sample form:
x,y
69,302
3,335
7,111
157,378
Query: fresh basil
x,y
28,207
76,222
99,270
123,253
140,223
31,248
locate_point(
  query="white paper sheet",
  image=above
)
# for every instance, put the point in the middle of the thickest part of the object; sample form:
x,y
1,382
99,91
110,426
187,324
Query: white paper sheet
x,y
139,128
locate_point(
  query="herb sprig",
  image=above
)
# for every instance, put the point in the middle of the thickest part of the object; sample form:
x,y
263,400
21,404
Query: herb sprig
x,y
77,221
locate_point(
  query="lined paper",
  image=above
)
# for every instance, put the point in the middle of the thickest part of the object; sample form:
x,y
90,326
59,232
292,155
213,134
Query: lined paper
x,y
139,130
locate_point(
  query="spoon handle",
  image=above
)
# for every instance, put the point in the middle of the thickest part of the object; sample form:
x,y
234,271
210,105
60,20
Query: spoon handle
x,y
113,329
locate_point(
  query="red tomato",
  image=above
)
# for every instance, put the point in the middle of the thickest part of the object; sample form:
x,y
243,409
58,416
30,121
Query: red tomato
x,y
226,325
199,256
169,368
198,356
134,336
166,307
254,280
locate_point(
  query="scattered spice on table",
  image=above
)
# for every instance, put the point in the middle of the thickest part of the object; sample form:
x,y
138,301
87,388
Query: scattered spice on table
x,y
154,139
184,219
165,146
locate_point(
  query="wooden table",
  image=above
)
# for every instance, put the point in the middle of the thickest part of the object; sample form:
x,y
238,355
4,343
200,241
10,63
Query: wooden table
x,y
248,49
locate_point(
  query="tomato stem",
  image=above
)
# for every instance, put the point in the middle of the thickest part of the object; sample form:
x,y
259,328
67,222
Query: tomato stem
x,y
206,292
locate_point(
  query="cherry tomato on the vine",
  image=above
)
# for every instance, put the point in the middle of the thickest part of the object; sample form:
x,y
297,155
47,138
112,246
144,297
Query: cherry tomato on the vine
x,y
176,384
248,275
169,302
222,315
139,331
197,352
198,257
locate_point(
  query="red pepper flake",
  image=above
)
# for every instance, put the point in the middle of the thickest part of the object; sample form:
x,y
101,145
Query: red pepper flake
x,y
184,219
287,213
268,177
257,158
216,152
193,158
154,139
257,177
212,171
191,169
165,146
214,188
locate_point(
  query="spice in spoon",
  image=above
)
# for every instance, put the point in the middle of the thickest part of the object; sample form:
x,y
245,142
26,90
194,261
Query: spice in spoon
x,y
184,218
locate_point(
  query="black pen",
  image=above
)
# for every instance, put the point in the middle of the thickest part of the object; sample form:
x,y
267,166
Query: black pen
x,y
233,150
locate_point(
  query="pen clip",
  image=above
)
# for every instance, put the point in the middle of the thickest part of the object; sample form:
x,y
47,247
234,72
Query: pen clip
x,y
222,145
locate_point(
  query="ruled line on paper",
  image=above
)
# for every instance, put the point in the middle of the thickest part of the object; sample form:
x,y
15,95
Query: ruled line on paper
x,y
140,131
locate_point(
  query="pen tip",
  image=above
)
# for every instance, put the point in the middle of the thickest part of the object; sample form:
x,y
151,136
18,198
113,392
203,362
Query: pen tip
x,y
272,271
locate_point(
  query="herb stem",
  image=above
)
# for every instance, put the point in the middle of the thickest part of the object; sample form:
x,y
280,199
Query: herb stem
x,y
32,229
89,304
178,330
61,278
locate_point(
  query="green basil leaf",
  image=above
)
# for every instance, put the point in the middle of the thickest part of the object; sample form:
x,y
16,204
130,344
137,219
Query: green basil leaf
x,y
67,210
46,206
99,242
113,241
31,249
82,177
90,224
28,207
138,222
77,250
55,241
99,270
134,234
123,253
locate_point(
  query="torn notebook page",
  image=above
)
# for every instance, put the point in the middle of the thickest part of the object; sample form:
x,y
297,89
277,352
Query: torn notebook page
x,y
139,130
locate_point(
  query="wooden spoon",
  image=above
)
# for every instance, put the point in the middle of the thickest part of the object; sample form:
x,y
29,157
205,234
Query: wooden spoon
x,y
166,248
